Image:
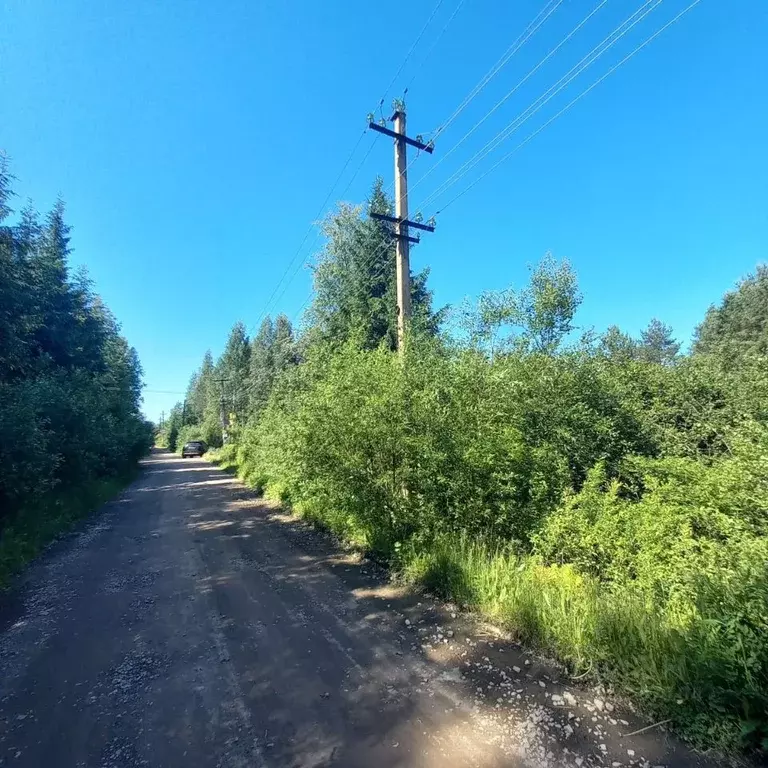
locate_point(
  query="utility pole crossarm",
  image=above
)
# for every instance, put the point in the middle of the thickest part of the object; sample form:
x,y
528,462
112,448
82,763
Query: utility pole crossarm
x,y
398,231
401,236
395,220
402,137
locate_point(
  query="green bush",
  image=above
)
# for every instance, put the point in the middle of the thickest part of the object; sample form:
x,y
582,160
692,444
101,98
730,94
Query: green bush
x,y
613,512
688,538
703,668
443,442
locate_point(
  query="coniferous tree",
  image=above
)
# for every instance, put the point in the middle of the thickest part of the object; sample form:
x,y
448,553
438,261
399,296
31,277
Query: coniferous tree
x,y
657,345
355,281
260,376
284,355
70,384
273,351
232,369
198,390
738,327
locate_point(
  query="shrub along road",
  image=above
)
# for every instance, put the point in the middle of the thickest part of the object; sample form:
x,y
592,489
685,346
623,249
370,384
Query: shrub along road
x,y
193,624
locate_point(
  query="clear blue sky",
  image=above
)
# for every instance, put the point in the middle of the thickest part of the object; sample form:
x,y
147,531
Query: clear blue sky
x,y
194,142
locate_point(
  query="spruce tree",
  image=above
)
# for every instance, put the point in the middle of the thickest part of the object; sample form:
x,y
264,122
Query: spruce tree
x,y
355,281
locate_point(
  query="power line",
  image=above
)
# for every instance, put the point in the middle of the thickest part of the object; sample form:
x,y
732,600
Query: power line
x,y
272,300
527,33
310,228
434,43
571,103
411,50
550,7
511,92
366,263
606,44
359,167
305,261
589,59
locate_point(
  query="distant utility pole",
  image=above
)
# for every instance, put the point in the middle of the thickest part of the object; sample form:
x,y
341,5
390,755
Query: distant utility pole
x,y
400,219
162,419
223,415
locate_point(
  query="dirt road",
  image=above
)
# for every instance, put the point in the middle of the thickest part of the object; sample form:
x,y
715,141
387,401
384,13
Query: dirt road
x,y
191,624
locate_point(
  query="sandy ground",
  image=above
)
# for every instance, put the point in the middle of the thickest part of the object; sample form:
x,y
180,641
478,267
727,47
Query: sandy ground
x,y
190,623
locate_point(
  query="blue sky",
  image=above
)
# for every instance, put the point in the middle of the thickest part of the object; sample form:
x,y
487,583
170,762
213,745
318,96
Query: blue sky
x,y
194,143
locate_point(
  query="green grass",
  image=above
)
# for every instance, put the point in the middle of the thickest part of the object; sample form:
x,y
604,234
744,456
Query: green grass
x,y
31,529
224,459
672,667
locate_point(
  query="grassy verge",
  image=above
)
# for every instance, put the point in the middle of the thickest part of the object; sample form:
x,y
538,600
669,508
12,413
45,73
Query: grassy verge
x,y
224,460
672,667
30,530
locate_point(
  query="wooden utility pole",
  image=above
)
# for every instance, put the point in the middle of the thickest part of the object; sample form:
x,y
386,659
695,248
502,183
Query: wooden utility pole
x,y
223,415
402,246
401,221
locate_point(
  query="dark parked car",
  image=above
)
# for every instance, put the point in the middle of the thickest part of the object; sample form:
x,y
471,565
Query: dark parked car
x,y
195,448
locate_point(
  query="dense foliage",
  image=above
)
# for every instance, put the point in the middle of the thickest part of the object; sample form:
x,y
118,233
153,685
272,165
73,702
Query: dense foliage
x,y
738,328
69,382
606,497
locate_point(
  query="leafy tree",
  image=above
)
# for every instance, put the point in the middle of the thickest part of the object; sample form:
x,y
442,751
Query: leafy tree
x,y
738,327
617,345
536,317
548,305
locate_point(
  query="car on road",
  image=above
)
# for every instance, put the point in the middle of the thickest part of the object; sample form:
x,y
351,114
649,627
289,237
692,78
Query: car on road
x,y
195,448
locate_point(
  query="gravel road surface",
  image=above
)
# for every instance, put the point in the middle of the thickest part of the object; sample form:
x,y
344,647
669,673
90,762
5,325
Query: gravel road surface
x,y
190,623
